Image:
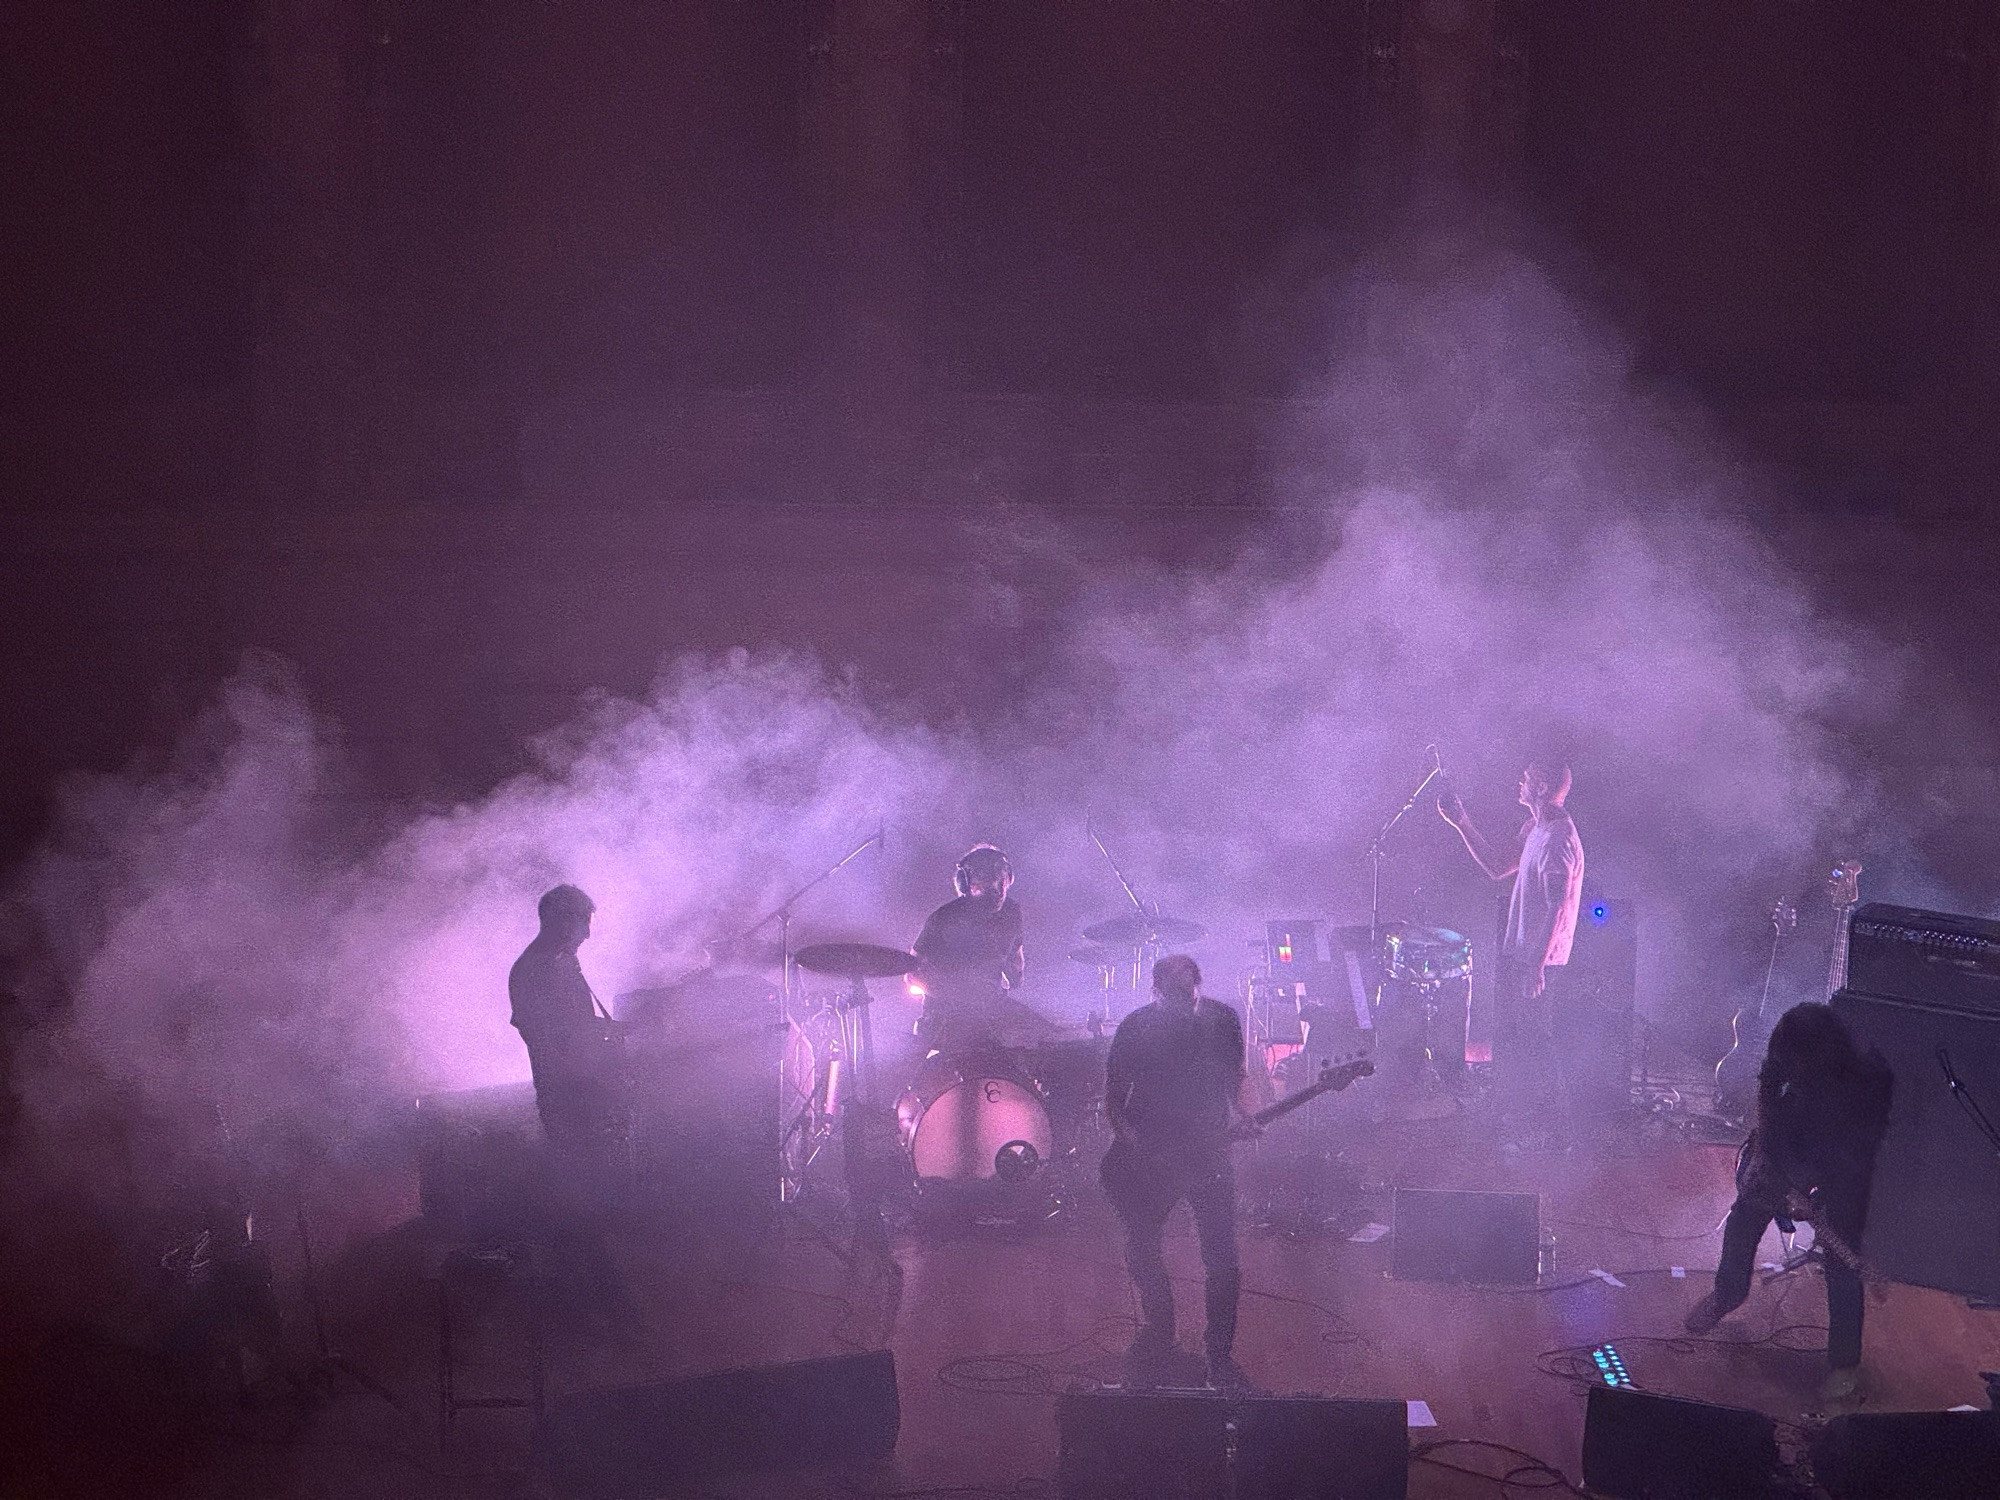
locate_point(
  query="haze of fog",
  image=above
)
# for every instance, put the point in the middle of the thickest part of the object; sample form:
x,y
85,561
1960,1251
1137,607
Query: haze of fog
x,y
1490,545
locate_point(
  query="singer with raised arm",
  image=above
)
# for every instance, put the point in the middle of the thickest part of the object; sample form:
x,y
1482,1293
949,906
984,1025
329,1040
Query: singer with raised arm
x,y
1545,862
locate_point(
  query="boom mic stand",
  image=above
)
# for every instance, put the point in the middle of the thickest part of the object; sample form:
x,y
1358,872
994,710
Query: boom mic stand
x,y
1378,846
1141,952
789,1183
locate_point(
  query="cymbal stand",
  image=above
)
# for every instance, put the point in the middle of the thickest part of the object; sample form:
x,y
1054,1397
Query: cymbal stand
x,y
789,1184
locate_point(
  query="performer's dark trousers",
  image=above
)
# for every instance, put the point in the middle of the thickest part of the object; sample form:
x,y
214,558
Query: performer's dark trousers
x,y
580,1096
1210,1190
1846,1212
1530,1072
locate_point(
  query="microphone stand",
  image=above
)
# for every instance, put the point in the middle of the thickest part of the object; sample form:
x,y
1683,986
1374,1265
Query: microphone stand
x,y
782,913
789,1187
1139,959
1378,846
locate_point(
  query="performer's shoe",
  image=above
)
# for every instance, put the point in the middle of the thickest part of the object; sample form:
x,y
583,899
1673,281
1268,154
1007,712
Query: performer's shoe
x,y
1705,1314
1148,1358
1840,1383
1228,1377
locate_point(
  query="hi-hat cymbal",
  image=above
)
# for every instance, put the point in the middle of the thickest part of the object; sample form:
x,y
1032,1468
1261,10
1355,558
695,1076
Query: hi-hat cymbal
x,y
1138,927
856,960
1102,956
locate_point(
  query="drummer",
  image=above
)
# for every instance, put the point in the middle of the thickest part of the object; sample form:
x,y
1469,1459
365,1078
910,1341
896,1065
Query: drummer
x,y
972,955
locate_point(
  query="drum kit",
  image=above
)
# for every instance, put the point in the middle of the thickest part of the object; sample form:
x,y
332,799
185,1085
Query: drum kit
x,y
994,1115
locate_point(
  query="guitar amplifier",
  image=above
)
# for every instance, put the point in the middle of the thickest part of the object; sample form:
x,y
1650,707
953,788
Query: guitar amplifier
x,y
1925,958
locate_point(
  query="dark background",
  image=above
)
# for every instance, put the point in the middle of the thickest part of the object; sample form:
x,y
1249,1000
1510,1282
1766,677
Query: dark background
x,y
475,354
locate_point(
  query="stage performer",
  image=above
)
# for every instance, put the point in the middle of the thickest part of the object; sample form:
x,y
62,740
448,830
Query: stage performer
x,y
1176,1098
1546,866
972,954
1822,1108
573,1045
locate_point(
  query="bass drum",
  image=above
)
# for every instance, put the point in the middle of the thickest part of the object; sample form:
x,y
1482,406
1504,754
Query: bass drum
x,y
973,1119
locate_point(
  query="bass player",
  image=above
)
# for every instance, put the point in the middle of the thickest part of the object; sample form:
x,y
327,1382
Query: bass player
x,y
1176,1097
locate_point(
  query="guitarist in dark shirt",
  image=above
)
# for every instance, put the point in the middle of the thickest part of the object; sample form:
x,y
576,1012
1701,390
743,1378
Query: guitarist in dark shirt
x,y
1175,1100
572,1046
1822,1108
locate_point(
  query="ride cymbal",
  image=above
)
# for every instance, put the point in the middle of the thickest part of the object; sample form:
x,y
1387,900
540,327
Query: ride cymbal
x,y
1138,927
856,960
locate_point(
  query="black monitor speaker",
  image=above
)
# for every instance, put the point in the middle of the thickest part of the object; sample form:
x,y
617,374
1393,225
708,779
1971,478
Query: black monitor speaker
x,y
1639,1446
1157,1445
1484,1239
651,1440
1909,1455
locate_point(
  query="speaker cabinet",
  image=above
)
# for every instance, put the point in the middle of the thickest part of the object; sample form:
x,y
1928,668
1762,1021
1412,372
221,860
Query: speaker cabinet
x,y
1305,1448
1594,999
1934,1212
1125,1445
1638,1446
1909,1455
644,1441
1486,1239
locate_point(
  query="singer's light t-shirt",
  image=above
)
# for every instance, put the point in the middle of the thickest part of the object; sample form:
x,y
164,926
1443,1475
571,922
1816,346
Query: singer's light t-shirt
x,y
1548,889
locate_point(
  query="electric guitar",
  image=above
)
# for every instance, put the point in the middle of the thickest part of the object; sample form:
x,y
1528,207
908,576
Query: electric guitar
x,y
1750,1030
1128,1166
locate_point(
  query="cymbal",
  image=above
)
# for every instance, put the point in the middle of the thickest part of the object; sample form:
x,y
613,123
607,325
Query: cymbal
x,y
1138,927
856,960
1101,956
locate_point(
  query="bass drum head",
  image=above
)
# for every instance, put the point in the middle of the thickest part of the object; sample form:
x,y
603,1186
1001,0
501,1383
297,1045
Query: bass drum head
x,y
974,1129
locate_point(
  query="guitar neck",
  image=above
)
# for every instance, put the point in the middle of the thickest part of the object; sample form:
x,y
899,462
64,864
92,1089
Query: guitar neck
x,y
1339,1079
1836,970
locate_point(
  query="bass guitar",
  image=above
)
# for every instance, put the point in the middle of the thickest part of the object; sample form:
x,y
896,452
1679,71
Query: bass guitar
x,y
1128,1166
1843,889
1749,1030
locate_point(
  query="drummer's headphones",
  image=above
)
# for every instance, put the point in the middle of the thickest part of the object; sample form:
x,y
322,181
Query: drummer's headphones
x,y
961,878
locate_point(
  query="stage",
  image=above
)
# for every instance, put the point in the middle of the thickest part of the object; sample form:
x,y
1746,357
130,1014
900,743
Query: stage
x,y
990,1322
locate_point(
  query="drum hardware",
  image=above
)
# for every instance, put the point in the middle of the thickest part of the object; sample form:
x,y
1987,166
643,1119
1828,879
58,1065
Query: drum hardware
x,y
1423,960
1141,933
789,1184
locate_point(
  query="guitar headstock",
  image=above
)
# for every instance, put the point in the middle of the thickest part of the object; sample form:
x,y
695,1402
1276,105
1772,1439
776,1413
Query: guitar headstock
x,y
1843,885
1338,1075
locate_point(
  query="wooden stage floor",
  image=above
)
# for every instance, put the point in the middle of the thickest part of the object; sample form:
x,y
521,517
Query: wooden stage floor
x,y
988,1324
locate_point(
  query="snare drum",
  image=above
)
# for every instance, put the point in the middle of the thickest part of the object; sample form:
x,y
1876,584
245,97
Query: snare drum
x,y
973,1119
1426,955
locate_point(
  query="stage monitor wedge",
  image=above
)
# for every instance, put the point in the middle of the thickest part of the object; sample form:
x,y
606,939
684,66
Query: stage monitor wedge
x,y
1909,1455
1639,1446
637,1442
1142,1445
1176,1445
